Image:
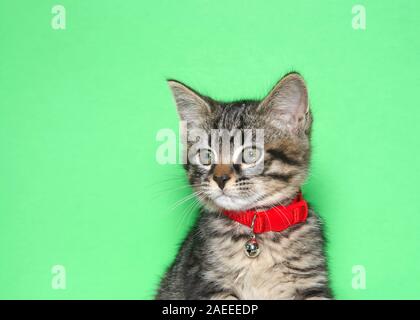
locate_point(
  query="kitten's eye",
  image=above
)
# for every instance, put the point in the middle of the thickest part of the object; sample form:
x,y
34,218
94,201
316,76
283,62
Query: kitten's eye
x,y
206,157
251,155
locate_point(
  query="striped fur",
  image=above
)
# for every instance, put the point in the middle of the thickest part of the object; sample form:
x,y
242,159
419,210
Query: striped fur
x,y
211,263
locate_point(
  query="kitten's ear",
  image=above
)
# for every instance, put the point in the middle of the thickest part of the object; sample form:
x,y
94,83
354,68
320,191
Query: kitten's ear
x,y
287,104
191,106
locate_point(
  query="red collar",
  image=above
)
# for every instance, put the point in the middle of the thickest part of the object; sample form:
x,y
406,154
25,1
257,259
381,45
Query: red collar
x,y
275,219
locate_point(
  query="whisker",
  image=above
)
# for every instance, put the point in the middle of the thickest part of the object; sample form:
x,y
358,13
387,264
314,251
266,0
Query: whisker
x,y
184,199
198,185
188,211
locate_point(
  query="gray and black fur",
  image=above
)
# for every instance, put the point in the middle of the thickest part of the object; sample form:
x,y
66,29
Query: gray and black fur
x,y
211,263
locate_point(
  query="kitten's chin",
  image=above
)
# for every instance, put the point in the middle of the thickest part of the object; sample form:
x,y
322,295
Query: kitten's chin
x,y
233,203
224,202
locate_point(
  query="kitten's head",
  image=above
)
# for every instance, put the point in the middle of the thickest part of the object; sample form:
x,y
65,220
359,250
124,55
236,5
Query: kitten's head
x,y
238,171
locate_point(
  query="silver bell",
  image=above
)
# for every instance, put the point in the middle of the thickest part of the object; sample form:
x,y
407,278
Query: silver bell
x,y
252,249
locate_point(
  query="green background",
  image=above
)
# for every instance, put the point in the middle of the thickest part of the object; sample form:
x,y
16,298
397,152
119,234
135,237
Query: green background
x,y
80,109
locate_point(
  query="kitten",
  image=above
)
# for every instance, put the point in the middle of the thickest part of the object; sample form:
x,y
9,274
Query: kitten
x,y
211,263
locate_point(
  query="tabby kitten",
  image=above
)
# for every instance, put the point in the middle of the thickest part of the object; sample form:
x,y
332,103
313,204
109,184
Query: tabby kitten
x,y
211,263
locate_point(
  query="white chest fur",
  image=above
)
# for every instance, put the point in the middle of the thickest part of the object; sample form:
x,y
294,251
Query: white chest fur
x,y
267,276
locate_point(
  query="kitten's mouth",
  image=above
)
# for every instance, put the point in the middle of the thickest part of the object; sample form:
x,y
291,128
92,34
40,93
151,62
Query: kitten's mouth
x,y
229,202
222,197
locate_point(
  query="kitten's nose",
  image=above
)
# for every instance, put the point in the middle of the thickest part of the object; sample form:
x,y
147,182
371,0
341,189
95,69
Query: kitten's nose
x,y
221,180
222,173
